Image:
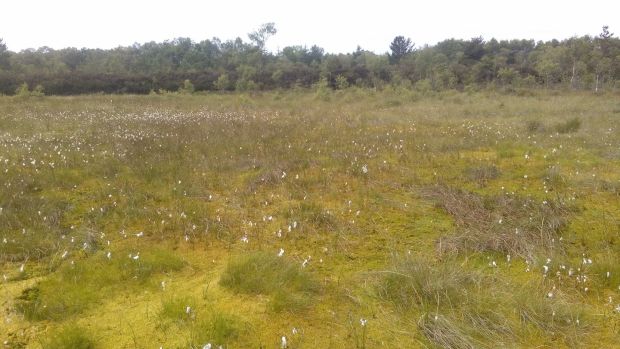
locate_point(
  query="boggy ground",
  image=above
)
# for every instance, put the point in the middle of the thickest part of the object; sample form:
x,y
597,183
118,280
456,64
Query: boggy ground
x,y
355,219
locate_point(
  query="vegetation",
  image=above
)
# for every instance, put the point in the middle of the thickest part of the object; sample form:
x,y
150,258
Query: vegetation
x,y
586,63
400,217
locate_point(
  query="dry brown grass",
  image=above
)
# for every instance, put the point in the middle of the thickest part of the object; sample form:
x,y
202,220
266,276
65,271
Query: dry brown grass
x,y
501,223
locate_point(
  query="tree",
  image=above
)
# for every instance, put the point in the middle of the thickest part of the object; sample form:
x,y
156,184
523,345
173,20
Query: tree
x,y
4,55
400,47
260,36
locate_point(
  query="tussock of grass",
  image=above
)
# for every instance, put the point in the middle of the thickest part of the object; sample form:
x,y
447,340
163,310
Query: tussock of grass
x,y
534,126
70,337
175,309
482,174
76,287
445,333
416,282
502,223
263,273
569,126
217,328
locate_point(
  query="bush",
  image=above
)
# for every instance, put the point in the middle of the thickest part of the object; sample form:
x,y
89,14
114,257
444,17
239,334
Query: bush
x,y
22,90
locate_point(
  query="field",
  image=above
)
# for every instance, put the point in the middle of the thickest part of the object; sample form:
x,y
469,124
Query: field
x,y
346,219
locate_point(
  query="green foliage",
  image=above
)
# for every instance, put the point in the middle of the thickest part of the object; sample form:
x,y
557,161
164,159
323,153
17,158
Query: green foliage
x,y
187,88
587,63
423,86
22,91
322,89
341,82
223,83
70,337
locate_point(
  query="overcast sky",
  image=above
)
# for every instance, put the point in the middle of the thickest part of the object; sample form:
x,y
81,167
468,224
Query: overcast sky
x,y
337,26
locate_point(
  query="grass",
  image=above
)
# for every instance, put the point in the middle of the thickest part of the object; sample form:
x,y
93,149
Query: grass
x,y
70,337
289,285
502,223
441,219
78,286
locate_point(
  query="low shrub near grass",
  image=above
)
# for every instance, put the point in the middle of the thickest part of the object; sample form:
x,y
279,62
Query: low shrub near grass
x,y
263,273
75,287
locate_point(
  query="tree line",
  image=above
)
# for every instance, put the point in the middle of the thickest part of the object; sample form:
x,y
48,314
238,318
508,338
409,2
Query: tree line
x,y
183,64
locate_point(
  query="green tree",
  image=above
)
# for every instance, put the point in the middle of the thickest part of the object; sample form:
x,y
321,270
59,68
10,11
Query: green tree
x,y
400,48
259,37
187,88
223,82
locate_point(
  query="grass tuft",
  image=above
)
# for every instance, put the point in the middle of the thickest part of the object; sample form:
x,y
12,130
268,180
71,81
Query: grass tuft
x,y
263,273
70,337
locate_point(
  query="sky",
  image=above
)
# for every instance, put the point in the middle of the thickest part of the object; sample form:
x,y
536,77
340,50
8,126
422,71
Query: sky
x,y
337,26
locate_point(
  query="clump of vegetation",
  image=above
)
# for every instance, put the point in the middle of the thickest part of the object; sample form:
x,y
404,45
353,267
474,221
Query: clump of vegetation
x,y
445,332
534,126
75,287
501,223
263,273
177,309
483,174
569,126
187,88
217,328
70,337
417,282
